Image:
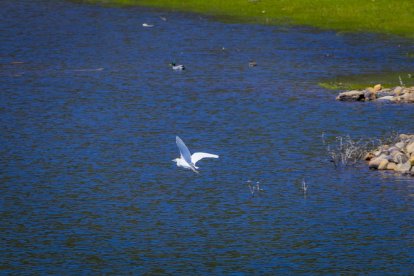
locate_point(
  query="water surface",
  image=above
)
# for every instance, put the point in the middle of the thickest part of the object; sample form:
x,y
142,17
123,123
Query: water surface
x,y
89,114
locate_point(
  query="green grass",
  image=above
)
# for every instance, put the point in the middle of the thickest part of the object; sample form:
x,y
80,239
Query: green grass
x,y
382,16
387,80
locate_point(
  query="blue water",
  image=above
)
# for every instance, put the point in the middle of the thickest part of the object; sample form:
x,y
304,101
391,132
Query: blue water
x,y
89,111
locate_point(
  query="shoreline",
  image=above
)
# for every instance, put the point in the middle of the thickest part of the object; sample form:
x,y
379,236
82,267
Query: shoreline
x,y
398,94
382,17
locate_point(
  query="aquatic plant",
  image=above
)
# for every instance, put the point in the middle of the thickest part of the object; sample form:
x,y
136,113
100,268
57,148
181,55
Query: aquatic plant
x,y
401,82
345,151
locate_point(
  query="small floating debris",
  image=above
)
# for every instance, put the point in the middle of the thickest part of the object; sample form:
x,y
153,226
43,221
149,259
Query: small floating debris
x,y
89,70
398,157
163,18
17,62
146,25
399,94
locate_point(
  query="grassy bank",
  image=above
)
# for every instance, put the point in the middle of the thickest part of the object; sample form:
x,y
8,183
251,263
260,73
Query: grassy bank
x,y
387,80
383,16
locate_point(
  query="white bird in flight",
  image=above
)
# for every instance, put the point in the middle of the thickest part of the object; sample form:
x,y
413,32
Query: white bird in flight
x,y
187,160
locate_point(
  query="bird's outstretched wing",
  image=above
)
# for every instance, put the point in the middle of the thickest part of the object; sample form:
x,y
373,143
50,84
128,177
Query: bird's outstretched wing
x,y
185,153
197,156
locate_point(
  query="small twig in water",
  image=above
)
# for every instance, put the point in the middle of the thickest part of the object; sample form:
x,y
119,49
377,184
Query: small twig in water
x,y
254,188
304,186
249,183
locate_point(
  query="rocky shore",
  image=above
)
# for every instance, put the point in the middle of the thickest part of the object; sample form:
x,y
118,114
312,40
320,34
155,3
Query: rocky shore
x,y
397,94
398,157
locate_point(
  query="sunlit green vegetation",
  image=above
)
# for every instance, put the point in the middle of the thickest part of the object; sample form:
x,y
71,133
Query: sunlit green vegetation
x,y
384,16
387,80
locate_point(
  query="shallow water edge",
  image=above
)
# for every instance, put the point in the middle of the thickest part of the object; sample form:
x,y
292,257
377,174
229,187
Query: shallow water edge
x,y
349,16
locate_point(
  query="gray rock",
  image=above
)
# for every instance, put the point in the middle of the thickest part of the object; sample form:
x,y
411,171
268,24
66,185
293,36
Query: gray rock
x,y
383,164
400,145
369,95
398,157
403,168
393,148
384,149
375,162
410,148
396,99
402,158
378,153
407,90
384,93
408,98
391,166
385,98
353,95
397,90
405,136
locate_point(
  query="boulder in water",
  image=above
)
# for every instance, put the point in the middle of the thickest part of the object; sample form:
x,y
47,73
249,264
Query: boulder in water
x,y
353,95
